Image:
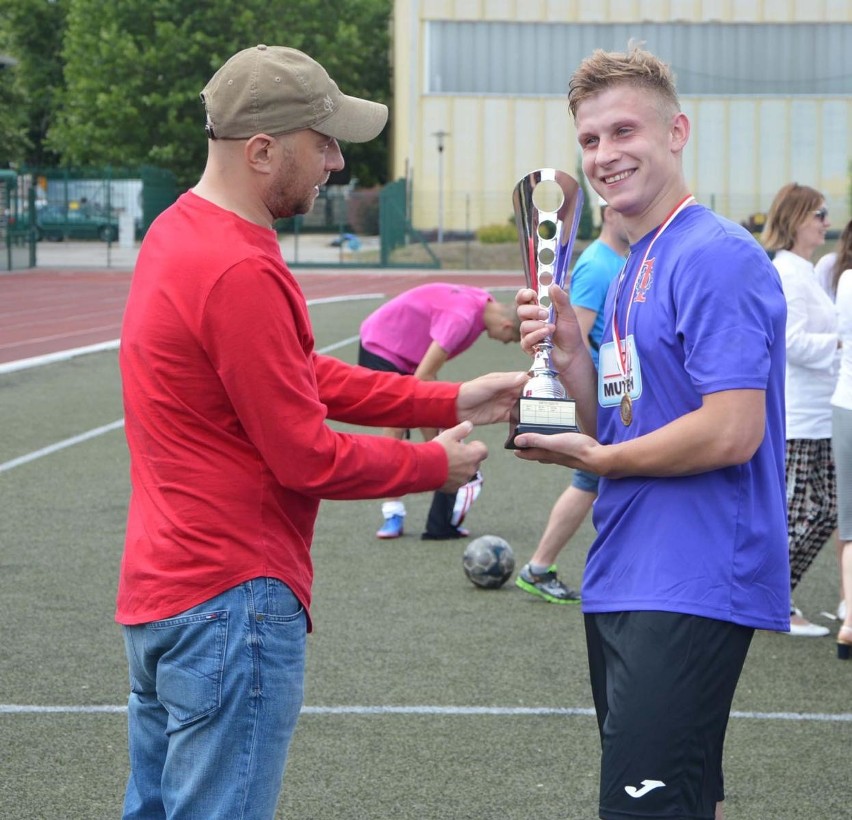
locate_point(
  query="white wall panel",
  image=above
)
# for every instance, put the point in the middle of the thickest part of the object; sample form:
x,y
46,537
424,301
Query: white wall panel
x,y
836,129
742,170
772,155
803,126
467,9
606,11
747,11
706,168
464,175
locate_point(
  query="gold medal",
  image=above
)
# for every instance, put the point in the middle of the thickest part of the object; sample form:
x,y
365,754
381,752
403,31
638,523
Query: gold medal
x,y
626,409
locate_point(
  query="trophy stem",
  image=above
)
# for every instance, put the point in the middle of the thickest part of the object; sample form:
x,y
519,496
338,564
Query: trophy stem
x,y
544,382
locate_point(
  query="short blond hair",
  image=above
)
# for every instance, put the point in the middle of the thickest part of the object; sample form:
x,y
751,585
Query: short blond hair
x,y
637,67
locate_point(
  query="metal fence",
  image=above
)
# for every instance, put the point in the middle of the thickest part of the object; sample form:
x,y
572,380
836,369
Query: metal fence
x,y
346,227
55,204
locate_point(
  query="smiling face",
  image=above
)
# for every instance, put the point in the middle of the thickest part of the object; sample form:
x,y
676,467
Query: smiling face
x,y
304,161
632,141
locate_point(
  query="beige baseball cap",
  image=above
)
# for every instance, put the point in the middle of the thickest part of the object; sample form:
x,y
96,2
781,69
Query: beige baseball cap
x,y
275,90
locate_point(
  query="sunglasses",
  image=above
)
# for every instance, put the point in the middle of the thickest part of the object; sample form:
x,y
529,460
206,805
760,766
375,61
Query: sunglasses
x,y
821,214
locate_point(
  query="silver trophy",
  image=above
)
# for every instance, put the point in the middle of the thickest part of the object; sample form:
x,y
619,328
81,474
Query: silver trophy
x,y
547,212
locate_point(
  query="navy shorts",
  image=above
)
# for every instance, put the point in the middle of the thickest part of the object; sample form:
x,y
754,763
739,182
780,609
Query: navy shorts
x,y
585,481
374,362
663,684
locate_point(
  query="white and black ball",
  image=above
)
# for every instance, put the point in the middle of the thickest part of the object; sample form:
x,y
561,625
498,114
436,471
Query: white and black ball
x,y
488,561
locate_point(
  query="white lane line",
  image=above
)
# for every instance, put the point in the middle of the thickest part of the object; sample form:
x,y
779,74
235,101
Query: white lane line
x,y
60,445
61,356
107,428
336,345
23,709
463,711
112,344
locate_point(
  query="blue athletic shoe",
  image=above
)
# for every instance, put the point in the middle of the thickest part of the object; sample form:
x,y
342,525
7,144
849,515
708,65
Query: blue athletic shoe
x,y
392,528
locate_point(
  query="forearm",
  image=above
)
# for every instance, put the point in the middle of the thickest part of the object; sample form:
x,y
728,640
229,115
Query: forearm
x,y
357,395
708,438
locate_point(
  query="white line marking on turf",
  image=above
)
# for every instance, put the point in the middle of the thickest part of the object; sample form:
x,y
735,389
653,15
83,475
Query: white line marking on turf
x,y
336,345
61,445
107,428
359,298
65,355
61,356
463,711
19,709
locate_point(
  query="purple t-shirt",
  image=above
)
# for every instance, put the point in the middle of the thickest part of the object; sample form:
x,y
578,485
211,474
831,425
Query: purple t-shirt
x,y
708,315
402,329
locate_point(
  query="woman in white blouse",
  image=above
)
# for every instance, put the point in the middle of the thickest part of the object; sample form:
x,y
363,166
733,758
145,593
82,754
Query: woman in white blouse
x,y
841,401
795,228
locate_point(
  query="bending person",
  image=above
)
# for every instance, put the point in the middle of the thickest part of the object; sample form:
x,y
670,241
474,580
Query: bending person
x,y
416,333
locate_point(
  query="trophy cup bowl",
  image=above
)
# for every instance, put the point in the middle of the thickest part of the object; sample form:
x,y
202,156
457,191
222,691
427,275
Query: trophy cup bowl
x,y
547,207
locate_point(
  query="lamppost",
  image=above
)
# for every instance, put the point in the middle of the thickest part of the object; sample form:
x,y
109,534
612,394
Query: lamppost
x,y
440,135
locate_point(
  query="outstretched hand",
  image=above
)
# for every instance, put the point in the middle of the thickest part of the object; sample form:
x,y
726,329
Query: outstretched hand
x,y
489,399
463,457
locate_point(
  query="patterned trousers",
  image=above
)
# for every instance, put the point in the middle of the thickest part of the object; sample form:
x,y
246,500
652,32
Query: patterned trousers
x,y
811,501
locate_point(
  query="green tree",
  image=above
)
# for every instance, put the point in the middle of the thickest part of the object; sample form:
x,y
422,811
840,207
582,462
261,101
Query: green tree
x,y
31,34
14,141
134,70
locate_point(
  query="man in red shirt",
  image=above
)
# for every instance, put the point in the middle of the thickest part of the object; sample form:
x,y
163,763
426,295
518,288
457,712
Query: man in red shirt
x,y
226,403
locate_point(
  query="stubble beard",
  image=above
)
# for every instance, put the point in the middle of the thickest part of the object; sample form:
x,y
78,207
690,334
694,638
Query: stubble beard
x,y
285,205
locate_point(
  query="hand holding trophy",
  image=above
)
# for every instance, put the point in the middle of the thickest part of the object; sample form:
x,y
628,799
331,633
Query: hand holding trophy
x,y
547,206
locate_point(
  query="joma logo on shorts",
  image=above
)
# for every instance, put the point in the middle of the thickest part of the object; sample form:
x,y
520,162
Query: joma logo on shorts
x,y
647,785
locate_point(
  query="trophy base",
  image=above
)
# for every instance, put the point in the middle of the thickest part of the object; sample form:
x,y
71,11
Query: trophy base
x,y
545,416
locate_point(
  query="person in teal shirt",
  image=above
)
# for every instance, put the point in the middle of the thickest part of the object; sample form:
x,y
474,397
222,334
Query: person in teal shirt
x,y
597,266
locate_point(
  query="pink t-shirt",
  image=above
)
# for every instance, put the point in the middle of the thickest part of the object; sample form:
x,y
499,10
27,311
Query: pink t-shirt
x,y
402,329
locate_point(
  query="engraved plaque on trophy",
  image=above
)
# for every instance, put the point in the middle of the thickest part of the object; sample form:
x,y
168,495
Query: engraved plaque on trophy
x,y
547,206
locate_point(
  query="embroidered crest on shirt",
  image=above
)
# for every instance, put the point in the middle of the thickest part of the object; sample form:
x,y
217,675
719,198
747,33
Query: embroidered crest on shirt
x,y
644,280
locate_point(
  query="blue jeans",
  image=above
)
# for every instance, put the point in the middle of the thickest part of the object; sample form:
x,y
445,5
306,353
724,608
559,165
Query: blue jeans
x,y
215,695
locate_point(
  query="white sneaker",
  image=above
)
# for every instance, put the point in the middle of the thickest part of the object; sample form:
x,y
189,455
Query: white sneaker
x,y
805,629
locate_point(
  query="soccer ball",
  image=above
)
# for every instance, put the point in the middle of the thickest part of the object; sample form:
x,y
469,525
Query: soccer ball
x,y
488,561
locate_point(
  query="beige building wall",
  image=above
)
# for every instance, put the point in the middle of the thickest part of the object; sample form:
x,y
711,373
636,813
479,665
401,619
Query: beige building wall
x,y
741,151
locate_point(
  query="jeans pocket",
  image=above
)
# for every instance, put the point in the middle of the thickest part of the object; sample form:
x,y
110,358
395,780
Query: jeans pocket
x,y
281,628
190,670
280,604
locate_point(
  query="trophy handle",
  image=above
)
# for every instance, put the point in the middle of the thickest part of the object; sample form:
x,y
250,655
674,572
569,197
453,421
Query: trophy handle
x,y
547,204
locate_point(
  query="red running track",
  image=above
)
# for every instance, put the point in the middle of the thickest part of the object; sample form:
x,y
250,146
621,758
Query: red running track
x,y
47,311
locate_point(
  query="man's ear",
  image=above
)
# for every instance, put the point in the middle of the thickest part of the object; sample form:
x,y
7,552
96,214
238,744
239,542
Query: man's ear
x,y
258,152
679,132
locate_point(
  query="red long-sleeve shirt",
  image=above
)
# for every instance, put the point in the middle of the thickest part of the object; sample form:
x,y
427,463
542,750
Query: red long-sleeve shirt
x,y
226,405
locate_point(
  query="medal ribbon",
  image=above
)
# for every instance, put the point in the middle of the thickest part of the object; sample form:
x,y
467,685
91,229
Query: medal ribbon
x,y
622,349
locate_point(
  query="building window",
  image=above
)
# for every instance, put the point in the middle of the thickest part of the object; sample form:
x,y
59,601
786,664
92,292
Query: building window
x,y
511,59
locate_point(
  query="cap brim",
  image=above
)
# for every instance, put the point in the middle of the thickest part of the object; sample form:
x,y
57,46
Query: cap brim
x,y
355,120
